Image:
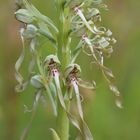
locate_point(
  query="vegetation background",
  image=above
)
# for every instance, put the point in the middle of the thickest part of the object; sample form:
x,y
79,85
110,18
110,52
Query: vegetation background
x,y
105,120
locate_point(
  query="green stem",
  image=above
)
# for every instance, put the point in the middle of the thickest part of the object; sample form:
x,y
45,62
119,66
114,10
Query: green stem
x,y
62,39
62,123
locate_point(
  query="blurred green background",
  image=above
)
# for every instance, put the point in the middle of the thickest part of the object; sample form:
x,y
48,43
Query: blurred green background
x,y
105,120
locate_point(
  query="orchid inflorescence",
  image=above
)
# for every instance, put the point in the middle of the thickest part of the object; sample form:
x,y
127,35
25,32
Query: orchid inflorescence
x,y
58,73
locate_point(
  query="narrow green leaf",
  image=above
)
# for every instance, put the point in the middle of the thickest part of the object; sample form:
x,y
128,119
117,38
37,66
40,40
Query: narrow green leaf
x,y
85,130
51,90
54,134
74,122
43,30
76,51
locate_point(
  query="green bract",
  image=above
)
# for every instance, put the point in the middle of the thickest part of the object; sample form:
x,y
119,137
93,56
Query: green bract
x,y
50,58
72,68
36,81
30,32
24,16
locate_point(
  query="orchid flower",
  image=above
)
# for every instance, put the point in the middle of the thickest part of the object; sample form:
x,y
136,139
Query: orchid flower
x,y
81,15
52,63
107,73
71,74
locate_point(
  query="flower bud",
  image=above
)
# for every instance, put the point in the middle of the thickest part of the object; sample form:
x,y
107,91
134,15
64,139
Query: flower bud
x,y
30,32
